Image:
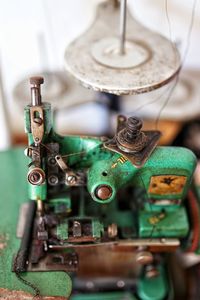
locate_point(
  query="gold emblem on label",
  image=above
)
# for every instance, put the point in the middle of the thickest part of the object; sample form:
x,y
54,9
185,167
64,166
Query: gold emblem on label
x,y
167,184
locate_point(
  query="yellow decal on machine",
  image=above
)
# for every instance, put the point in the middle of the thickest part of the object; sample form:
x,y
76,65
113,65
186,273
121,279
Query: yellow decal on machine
x,y
167,184
120,160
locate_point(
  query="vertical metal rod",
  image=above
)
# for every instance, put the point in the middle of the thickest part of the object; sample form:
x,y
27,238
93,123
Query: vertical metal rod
x,y
35,82
123,9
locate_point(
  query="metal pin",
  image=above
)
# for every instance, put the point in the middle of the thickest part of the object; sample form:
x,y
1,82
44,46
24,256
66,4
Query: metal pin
x,y
35,82
123,9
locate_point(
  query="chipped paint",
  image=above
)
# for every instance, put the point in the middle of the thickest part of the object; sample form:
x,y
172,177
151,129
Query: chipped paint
x,y
167,184
3,241
6,294
2,246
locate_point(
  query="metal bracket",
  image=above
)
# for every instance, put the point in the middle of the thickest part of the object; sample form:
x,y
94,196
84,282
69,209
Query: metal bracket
x,y
37,123
137,158
72,178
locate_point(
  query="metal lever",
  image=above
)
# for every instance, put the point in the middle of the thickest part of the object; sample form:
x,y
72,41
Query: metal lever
x,y
36,110
72,178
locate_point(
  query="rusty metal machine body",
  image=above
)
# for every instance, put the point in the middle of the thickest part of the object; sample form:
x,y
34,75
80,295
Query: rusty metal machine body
x,y
102,207
109,212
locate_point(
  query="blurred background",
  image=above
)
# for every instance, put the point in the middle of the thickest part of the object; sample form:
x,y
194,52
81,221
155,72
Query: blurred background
x,y
33,39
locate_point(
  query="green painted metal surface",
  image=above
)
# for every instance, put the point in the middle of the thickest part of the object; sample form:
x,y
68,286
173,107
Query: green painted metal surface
x,y
153,288
172,224
102,167
13,189
163,161
110,168
62,231
47,118
97,228
37,192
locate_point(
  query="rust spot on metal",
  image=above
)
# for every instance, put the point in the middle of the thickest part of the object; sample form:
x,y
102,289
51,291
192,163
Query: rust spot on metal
x,y
6,294
2,246
3,241
167,184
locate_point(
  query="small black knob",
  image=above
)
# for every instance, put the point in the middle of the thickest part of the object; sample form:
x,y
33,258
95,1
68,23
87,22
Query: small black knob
x,y
133,129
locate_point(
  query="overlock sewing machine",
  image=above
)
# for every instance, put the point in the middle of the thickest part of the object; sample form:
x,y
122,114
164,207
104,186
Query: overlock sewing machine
x,y
99,203
106,211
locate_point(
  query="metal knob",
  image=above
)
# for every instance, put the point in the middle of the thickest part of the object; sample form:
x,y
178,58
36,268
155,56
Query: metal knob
x,y
144,257
133,129
103,192
36,80
131,138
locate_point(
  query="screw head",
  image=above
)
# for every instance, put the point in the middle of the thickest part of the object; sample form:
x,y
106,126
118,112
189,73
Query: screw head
x,y
103,192
38,121
28,152
53,180
52,161
71,179
36,176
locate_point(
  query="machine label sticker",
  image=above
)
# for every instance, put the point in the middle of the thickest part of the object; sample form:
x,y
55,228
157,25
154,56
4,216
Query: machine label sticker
x,y
167,184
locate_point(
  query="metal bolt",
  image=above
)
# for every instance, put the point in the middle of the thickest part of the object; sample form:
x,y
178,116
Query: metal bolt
x,y
51,161
28,152
112,230
133,129
53,179
163,240
89,284
71,179
120,284
144,257
36,176
77,230
151,271
131,138
38,121
40,205
70,262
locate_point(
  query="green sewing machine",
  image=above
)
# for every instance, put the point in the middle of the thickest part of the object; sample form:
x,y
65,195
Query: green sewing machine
x,y
101,208
100,218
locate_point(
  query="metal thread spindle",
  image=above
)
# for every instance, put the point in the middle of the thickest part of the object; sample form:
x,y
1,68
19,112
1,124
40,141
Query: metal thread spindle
x,y
133,128
123,9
